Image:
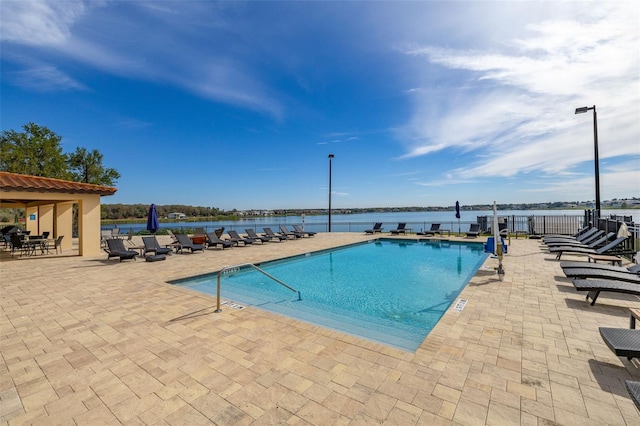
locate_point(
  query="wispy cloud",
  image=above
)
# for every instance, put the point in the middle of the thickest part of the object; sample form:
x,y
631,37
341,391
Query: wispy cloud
x,y
197,63
133,123
40,22
514,109
45,78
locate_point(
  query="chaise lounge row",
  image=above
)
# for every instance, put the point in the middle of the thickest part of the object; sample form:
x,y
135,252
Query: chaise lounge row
x,y
596,278
153,250
474,229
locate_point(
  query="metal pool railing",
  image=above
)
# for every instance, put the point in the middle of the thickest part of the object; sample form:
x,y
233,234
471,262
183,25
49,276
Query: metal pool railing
x,y
235,268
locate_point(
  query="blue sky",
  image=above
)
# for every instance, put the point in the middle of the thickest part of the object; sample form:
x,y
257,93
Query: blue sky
x,y
238,105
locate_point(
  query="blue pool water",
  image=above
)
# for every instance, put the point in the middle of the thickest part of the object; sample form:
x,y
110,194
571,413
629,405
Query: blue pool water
x,y
390,291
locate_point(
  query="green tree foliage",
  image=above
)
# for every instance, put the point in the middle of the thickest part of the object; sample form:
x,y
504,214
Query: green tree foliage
x,y
87,167
139,211
36,152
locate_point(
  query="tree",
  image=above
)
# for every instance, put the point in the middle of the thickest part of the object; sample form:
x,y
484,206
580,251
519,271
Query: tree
x,y
87,167
36,152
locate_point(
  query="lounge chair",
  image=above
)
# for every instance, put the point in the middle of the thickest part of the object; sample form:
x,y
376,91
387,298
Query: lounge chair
x,y
560,250
130,235
401,229
116,248
588,265
284,231
214,241
474,230
594,287
151,245
576,235
601,274
634,391
301,231
624,342
236,239
583,239
560,238
184,242
269,233
253,235
172,235
377,227
435,229
592,244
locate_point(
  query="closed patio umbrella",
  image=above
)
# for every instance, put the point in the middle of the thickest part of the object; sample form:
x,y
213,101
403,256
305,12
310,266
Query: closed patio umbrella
x,y
152,220
458,214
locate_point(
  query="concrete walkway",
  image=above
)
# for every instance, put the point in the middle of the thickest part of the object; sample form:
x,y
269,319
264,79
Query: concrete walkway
x,y
89,341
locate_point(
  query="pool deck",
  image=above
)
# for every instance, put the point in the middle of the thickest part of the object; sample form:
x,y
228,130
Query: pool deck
x,y
89,341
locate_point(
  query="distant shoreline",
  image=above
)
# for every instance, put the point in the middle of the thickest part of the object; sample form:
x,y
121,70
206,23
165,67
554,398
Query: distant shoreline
x,y
356,220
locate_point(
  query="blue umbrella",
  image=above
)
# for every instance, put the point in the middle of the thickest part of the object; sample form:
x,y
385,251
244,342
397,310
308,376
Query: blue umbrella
x,y
152,220
458,214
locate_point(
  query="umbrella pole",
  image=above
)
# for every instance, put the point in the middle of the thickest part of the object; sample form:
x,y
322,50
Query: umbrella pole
x,y
497,242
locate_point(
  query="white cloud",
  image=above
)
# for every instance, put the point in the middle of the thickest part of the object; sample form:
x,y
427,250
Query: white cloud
x,y
512,109
39,22
167,47
45,78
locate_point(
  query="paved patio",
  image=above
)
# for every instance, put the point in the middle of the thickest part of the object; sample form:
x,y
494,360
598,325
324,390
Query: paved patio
x,y
90,341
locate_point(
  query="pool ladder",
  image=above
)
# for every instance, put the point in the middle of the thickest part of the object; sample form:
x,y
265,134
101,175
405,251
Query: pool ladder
x,y
230,268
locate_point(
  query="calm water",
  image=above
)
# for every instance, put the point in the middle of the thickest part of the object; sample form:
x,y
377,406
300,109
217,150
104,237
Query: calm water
x,y
360,222
391,291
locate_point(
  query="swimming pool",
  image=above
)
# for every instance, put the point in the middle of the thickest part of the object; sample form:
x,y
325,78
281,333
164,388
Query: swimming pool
x,y
389,291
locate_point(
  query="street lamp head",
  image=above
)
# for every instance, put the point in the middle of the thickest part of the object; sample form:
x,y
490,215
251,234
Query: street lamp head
x,y
330,155
595,149
584,109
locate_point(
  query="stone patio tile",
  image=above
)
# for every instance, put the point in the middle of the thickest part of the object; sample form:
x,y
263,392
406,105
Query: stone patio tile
x,y
379,406
317,414
401,417
186,416
11,405
499,415
132,349
470,413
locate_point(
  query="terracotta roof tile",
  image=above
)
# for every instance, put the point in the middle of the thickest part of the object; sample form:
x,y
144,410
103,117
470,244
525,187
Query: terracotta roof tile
x,y
12,182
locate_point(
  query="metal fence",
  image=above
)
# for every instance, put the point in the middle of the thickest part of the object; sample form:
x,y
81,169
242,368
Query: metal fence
x,y
516,225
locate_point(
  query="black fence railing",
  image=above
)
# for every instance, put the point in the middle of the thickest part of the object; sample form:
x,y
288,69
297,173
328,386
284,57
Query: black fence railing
x,y
516,225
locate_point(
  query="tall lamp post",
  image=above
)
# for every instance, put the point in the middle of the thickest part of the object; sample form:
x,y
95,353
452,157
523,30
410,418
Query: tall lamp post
x,y
595,147
330,158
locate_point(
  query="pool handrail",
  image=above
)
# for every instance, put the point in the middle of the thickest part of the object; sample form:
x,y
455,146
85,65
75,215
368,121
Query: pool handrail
x,y
228,268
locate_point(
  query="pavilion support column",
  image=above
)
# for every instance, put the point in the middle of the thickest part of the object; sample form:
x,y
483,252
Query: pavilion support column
x,y
89,225
64,224
45,219
31,220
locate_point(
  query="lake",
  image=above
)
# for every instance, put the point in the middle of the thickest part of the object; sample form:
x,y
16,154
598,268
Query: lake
x,y
361,221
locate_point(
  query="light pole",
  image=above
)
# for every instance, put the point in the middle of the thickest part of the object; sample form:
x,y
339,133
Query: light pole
x,y
595,147
330,158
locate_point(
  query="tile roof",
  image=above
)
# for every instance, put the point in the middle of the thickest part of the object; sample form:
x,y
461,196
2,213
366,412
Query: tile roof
x,y
13,182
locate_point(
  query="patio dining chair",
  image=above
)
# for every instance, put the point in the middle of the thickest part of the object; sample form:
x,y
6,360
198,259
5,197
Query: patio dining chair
x,y
18,245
